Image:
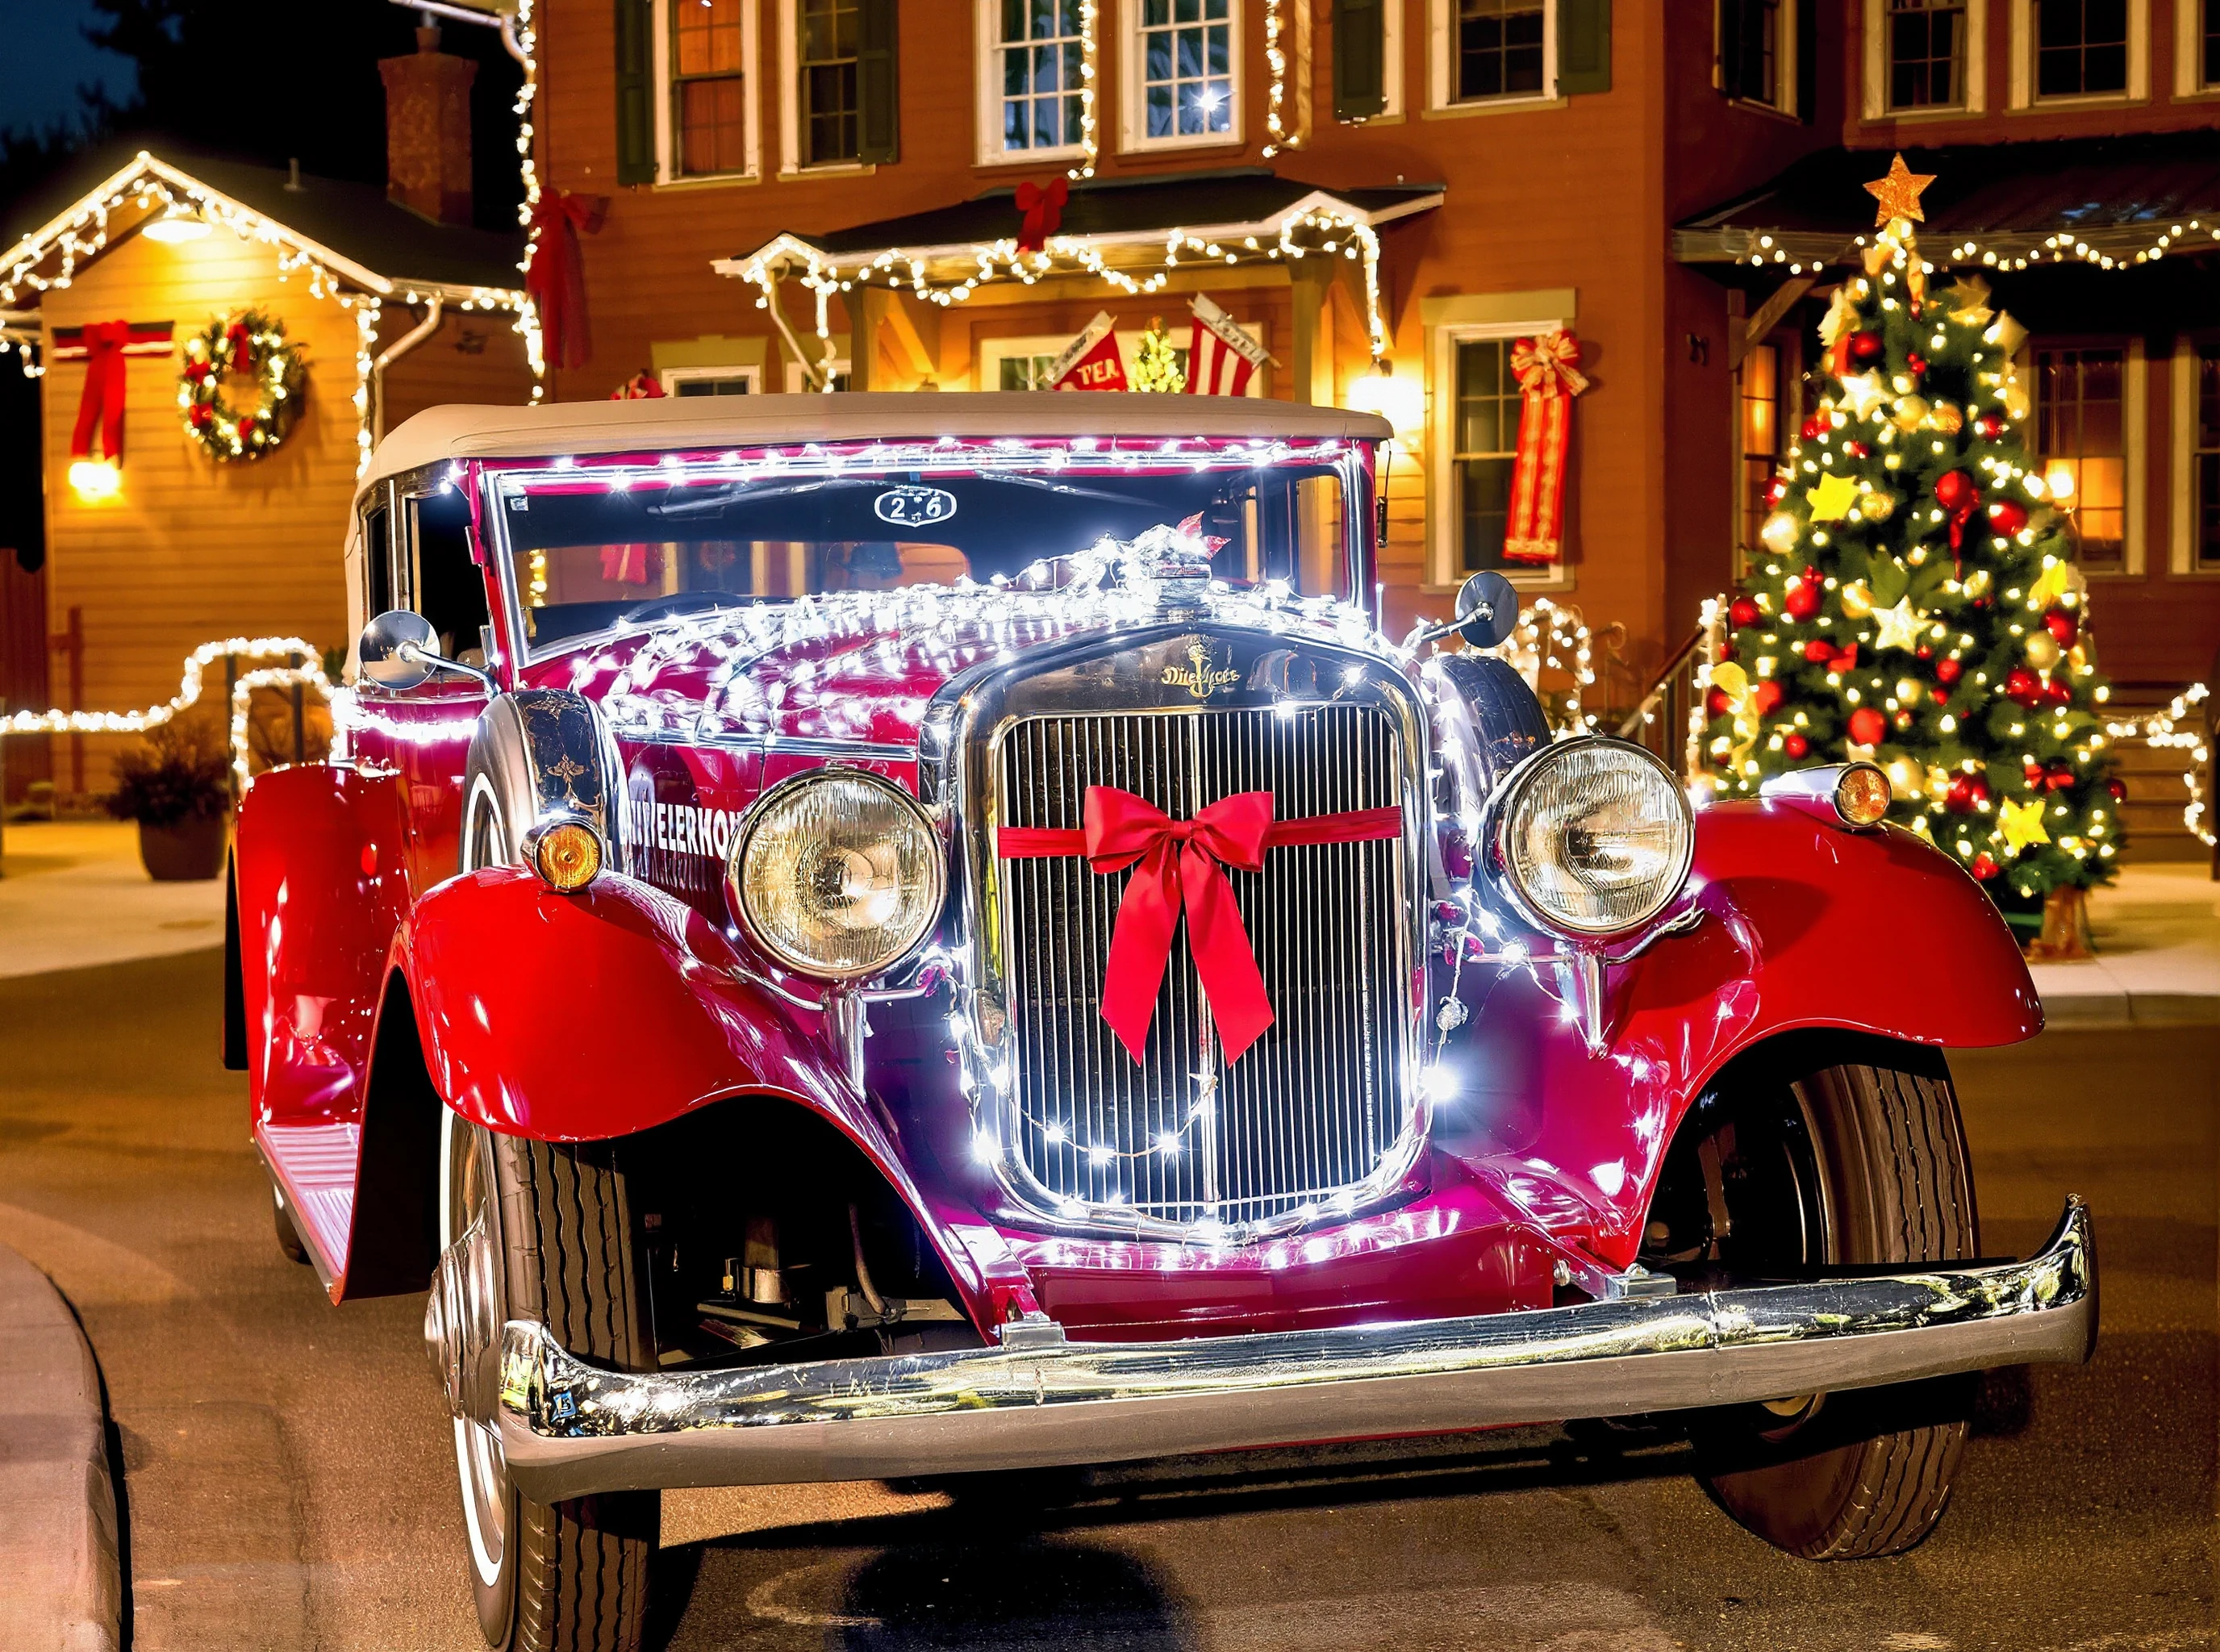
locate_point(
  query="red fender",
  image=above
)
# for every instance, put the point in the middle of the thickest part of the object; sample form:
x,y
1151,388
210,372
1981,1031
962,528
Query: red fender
x,y
579,1017
1805,925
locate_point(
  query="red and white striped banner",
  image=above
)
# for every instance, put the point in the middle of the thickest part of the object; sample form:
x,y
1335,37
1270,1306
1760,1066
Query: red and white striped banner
x,y
1222,358
1548,368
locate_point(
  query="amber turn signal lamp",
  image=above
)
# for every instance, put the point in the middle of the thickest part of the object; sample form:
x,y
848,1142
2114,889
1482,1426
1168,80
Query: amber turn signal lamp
x,y
567,857
1862,795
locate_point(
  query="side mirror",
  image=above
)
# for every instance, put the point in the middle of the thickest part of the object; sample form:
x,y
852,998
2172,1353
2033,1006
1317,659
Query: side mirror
x,y
1486,609
397,648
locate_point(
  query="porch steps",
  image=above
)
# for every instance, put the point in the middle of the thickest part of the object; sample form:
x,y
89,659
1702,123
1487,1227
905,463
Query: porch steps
x,y
2157,791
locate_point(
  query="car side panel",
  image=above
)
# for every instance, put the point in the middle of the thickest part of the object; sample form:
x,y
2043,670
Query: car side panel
x,y
1805,925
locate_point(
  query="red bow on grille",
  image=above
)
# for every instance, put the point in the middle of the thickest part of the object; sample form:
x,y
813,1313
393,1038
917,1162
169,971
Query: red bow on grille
x,y
1180,864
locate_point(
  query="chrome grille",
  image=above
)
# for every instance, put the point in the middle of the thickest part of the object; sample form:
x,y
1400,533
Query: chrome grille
x,y
1317,1103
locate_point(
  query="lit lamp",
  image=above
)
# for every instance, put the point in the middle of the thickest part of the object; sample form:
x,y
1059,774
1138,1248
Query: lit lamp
x,y
177,224
94,479
1401,402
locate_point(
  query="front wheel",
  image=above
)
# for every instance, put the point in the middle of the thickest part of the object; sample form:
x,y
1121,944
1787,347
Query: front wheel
x,y
565,1577
1854,1164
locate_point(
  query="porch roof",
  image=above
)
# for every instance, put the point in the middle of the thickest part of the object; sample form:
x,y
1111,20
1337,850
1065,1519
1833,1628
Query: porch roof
x,y
2110,201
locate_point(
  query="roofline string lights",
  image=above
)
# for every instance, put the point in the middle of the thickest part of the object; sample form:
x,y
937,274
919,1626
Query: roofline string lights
x,y
1803,253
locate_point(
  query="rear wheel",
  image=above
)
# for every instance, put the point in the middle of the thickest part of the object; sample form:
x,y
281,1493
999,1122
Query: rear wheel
x,y
567,1577
1854,1164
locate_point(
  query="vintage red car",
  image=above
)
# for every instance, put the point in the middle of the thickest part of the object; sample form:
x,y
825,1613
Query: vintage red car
x,y
879,936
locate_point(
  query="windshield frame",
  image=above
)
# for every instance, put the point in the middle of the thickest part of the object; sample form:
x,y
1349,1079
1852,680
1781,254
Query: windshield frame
x,y
1351,459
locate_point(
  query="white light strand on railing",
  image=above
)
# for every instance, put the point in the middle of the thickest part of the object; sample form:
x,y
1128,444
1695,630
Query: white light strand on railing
x,y
2174,729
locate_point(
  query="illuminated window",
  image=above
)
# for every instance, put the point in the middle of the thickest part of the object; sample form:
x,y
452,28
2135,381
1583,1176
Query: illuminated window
x,y
1039,52
709,87
1024,372
2080,47
831,35
2080,432
1186,79
1500,45
1760,435
1487,442
1926,53
2206,460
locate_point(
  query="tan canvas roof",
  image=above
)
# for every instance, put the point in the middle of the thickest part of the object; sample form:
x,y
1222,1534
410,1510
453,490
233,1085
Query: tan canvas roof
x,y
704,421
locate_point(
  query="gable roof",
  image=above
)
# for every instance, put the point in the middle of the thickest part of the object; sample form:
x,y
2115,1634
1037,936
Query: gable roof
x,y
351,230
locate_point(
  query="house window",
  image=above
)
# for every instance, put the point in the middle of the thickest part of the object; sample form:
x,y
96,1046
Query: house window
x,y
1036,65
1485,440
1024,372
830,35
2210,28
1750,47
2206,547
2081,434
1760,434
1499,50
709,87
711,381
2080,47
1187,68
1926,53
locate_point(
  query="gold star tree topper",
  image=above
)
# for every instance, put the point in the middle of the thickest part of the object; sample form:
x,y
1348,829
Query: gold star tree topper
x,y
1899,193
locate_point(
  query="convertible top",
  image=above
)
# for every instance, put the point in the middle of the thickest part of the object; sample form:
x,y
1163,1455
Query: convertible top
x,y
552,429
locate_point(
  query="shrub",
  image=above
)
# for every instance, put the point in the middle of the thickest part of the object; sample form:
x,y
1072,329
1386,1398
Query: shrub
x,y
180,770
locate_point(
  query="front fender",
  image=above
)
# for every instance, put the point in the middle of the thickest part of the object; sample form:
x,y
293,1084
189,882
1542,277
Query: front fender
x,y
1804,925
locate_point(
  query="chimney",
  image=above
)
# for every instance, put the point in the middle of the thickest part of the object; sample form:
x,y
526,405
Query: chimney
x,y
427,130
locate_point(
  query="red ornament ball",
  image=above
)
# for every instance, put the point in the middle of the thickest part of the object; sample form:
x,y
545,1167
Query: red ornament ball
x,y
1914,361
2022,688
1812,429
2117,788
1955,491
1903,719
2031,771
2058,776
2006,516
1743,611
1866,348
1985,866
1796,747
1967,793
1857,450
1776,490
1948,671
2062,626
2057,692
1990,426
1868,726
1801,600
1819,650
1765,697
1715,702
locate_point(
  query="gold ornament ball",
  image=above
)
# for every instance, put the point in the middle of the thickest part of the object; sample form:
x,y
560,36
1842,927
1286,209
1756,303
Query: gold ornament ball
x,y
1779,532
1911,690
1877,505
1944,418
2043,650
1908,411
1857,600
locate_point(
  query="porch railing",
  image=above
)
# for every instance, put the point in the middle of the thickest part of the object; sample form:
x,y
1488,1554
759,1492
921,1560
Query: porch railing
x,y
1668,720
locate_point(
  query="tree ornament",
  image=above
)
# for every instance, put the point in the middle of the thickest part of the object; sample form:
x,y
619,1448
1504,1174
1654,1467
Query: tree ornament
x,y
2022,824
1813,428
1831,499
1944,418
2058,776
1902,719
1916,362
1911,690
252,345
1800,600
1868,726
1775,490
2007,517
1715,702
1984,866
2116,789
1868,348
2064,629
1990,426
2041,649
2022,688
2060,585
1765,696
1967,793
1948,671
1906,412
1899,625
1742,612
1968,299
1795,748
1857,600
1780,533
1899,196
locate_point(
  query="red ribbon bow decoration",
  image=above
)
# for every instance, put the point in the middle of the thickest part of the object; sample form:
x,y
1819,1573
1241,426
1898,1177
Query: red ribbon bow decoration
x,y
1179,865
1549,365
102,404
242,347
1043,205
555,283
1548,370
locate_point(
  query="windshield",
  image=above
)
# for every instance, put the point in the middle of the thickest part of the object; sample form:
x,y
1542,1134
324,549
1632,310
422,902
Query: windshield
x,y
591,544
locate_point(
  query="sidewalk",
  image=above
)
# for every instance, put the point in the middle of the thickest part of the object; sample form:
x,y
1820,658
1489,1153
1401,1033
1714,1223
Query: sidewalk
x,y
74,895
2158,953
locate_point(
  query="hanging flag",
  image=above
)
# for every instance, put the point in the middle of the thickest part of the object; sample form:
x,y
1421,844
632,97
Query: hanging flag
x,y
1091,361
1223,357
1549,374
556,281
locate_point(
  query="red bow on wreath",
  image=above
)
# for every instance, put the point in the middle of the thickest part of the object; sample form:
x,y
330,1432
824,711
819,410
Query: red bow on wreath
x,y
242,347
555,283
1179,865
1043,205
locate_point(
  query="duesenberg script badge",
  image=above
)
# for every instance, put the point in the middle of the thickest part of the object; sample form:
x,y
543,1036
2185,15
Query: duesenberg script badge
x,y
1203,677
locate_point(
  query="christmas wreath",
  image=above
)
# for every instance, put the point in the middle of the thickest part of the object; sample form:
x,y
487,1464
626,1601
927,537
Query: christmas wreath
x,y
250,345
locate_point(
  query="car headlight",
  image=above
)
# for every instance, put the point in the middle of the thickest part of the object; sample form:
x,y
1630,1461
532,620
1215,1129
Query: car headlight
x,y
837,874
1593,836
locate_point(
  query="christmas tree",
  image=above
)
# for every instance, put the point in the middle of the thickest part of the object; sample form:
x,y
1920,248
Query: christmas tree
x,y
1916,602
1156,363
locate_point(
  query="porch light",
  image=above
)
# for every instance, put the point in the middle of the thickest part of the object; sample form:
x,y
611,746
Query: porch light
x,y
179,224
1401,402
96,479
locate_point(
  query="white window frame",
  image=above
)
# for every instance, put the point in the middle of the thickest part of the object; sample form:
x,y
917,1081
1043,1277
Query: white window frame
x,y
672,377
1783,57
1133,97
1391,66
790,107
2189,79
2181,488
796,380
2135,438
1974,88
1445,555
989,354
2024,77
988,63
1440,64
667,174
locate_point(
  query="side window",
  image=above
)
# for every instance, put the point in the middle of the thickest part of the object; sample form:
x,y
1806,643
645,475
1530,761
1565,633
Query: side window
x,y
449,587
377,554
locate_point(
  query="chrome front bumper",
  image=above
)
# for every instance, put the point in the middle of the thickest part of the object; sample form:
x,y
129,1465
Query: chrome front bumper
x,y
569,1429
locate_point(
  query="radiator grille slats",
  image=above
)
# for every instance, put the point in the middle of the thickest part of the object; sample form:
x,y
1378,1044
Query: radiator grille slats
x,y
1318,1101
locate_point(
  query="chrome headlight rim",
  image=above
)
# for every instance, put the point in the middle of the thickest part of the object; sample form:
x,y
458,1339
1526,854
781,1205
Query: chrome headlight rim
x,y
765,808
1503,805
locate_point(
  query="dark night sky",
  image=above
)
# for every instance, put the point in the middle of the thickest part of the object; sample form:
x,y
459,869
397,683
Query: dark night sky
x,y
48,56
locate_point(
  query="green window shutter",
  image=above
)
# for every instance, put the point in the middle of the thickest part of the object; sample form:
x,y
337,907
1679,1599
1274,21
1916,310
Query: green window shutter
x,y
635,96
879,125
1360,66
1807,60
1583,46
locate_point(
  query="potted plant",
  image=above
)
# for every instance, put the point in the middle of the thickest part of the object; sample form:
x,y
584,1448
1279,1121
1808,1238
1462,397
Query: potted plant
x,y
176,784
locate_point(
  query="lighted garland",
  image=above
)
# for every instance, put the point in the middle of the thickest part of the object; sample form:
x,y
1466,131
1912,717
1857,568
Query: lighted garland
x,y
250,344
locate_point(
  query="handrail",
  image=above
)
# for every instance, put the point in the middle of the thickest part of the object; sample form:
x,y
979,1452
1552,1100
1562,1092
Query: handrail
x,y
1658,685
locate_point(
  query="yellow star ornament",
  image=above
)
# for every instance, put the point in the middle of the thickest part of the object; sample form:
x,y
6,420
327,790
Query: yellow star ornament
x,y
2022,824
1899,193
1898,627
1832,499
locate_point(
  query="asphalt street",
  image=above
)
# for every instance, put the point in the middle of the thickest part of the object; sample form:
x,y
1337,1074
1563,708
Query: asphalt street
x,y
288,1478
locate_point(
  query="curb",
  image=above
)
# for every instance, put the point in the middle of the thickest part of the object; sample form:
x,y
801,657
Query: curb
x,y
58,1543
2068,1010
